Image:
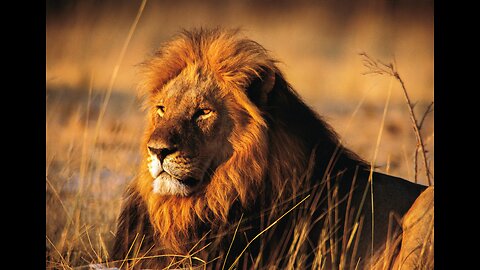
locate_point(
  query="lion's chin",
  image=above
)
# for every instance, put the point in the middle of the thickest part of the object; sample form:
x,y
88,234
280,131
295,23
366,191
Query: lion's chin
x,y
165,184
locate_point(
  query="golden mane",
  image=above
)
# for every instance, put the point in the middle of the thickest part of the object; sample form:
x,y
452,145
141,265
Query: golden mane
x,y
271,153
220,52
280,153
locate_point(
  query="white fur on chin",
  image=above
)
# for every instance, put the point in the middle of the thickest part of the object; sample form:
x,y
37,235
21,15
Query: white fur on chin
x,y
167,185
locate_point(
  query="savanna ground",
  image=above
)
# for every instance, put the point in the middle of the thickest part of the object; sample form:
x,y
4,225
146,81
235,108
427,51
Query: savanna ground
x,y
94,122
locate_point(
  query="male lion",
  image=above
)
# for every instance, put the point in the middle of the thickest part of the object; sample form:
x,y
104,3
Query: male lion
x,y
239,172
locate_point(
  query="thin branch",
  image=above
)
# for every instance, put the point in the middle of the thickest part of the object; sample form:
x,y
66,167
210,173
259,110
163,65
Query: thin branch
x,y
416,128
380,68
427,111
415,164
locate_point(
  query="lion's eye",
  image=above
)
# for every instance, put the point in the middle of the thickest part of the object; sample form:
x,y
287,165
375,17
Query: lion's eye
x,y
161,110
203,113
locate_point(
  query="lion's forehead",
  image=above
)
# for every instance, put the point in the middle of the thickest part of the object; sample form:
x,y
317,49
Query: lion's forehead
x,y
192,81
184,94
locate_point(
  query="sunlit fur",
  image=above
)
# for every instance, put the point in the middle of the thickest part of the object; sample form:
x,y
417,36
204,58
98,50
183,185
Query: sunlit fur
x,y
278,143
234,62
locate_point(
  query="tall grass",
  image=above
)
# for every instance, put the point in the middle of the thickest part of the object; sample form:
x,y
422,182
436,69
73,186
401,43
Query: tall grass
x,y
85,185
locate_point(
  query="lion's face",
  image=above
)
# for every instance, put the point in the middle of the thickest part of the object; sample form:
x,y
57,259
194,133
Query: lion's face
x,y
188,135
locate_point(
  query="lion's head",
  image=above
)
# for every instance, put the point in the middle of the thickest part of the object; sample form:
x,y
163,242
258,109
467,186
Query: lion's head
x,y
189,133
223,124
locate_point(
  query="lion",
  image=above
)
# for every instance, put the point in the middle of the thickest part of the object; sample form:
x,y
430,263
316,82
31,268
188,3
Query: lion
x,y
238,171
414,247
416,250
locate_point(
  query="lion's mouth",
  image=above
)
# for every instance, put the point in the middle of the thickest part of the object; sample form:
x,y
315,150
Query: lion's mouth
x,y
187,181
166,184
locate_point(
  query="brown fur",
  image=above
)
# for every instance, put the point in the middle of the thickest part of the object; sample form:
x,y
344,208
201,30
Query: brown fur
x,y
276,152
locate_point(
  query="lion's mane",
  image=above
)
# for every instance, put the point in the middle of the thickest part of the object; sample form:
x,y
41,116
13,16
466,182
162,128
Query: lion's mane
x,y
276,151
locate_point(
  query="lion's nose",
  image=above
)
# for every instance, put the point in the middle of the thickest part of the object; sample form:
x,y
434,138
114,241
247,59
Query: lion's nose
x,y
160,150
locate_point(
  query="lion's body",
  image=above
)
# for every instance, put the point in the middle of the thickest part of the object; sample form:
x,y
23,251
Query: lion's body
x,y
418,234
272,174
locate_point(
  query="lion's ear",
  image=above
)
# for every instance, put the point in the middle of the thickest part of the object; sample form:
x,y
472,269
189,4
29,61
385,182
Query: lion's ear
x,y
260,87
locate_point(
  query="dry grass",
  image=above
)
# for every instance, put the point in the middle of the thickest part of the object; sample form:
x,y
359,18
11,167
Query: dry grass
x,y
89,164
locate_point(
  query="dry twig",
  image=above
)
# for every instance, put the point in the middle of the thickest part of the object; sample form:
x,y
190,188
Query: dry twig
x,y
380,68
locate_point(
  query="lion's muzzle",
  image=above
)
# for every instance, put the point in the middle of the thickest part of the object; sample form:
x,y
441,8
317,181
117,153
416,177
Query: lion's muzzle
x,y
158,150
172,174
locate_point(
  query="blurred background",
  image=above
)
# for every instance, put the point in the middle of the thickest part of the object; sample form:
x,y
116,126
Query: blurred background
x,y
94,121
